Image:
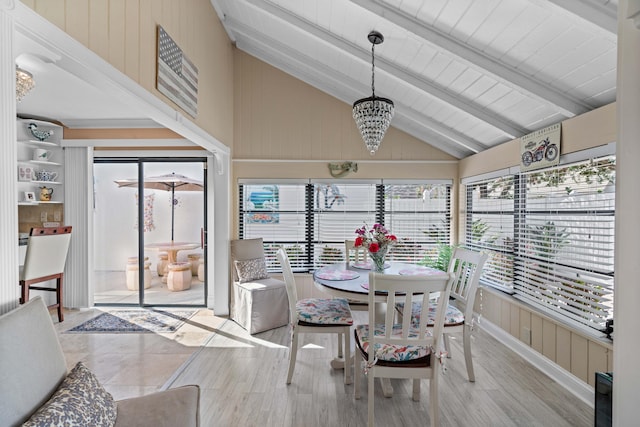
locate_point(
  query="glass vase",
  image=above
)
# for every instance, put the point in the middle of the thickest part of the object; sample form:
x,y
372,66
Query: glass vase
x,y
378,259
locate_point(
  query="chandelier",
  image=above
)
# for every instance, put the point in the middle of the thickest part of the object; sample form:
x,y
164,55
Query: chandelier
x,y
24,83
373,115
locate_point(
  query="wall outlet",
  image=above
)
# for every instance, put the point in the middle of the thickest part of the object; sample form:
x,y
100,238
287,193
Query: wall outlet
x,y
525,335
57,216
43,216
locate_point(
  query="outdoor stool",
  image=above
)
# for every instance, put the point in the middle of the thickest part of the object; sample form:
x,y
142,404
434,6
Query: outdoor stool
x,y
194,260
132,273
163,260
179,277
201,270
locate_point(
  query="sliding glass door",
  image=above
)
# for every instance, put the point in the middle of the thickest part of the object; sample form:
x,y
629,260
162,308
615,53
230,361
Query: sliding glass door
x,y
149,222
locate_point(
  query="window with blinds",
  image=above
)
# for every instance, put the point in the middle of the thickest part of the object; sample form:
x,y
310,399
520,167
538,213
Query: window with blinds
x,y
490,227
550,237
277,213
420,217
564,260
338,210
312,220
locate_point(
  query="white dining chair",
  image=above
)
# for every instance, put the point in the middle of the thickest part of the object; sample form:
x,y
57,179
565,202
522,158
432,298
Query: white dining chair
x,y
402,350
467,265
315,315
353,253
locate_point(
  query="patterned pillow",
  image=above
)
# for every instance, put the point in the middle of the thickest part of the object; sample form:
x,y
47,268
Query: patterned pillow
x,y
79,401
251,269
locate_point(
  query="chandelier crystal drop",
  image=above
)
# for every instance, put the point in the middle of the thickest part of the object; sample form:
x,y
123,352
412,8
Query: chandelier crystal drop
x,y
373,114
24,83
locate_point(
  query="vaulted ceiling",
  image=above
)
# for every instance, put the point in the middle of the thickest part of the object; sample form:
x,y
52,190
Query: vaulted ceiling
x,y
464,75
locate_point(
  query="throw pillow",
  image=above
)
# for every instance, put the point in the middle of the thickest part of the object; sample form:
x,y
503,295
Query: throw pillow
x,y
251,269
79,401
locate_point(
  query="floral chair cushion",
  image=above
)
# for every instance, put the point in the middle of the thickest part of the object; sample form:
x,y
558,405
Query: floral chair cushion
x,y
391,353
251,269
324,311
453,316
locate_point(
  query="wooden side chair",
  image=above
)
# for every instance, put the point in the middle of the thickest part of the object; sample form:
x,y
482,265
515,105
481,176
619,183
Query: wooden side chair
x,y
467,265
402,350
45,259
315,315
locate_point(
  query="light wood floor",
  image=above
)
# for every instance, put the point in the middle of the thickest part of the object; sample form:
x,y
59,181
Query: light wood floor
x,y
242,379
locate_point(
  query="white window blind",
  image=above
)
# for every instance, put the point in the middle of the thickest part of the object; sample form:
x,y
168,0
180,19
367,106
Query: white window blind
x,y
565,240
419,215
489,227
338,210
277,213
312,220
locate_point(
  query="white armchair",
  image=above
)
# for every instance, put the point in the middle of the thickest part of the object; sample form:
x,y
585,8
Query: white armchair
x,y
258,302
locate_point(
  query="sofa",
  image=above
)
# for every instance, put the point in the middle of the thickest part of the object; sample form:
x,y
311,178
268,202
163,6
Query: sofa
x,y
36,389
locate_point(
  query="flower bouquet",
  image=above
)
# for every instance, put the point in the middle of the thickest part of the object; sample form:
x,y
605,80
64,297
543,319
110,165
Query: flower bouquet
x,y
377,240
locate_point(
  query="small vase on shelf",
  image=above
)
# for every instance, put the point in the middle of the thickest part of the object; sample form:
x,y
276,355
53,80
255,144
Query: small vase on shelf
x,y
378,258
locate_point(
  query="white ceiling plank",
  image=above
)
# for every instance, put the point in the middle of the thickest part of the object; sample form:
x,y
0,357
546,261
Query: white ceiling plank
x,y
474,57
511,129
602,14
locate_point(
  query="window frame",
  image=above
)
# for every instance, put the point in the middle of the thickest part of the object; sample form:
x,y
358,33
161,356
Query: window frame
x,y
590,318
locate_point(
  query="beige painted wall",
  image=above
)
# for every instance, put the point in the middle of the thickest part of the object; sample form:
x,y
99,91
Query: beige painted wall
x,y
123,32
280,117
592,129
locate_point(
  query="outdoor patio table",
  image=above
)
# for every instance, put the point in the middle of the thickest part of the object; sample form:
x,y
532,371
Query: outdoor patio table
x,y
172,249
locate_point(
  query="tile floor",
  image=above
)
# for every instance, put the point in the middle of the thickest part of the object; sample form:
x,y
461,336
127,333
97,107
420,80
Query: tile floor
x,y
134,364
111,288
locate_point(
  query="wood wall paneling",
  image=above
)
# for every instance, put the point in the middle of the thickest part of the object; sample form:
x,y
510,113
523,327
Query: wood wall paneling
x,y
132,26
77,21
505,316
514,320
280,117
549,339
598,361
117,33
54,10
536,333
563,348
580,357
98,27
524,331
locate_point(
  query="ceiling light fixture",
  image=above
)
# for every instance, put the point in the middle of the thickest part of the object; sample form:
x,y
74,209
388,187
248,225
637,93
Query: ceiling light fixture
x,y
373,115
24,83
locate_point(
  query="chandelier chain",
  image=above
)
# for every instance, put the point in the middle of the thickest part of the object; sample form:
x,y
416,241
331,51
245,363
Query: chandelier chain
x,y
373,69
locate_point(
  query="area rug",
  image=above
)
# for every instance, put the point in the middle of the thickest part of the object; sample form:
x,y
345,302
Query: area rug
x,y
135,321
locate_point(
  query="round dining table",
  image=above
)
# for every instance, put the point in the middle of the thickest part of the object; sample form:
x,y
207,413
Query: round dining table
x,y
351,281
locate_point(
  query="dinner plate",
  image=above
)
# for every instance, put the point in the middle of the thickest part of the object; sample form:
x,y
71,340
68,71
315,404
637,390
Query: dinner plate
x,y
337,274
419,271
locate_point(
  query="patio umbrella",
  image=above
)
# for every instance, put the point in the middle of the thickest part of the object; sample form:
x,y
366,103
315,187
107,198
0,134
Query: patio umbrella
x,y
169,182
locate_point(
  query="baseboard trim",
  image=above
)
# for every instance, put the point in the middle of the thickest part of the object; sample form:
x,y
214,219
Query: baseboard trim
x,y
574,385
